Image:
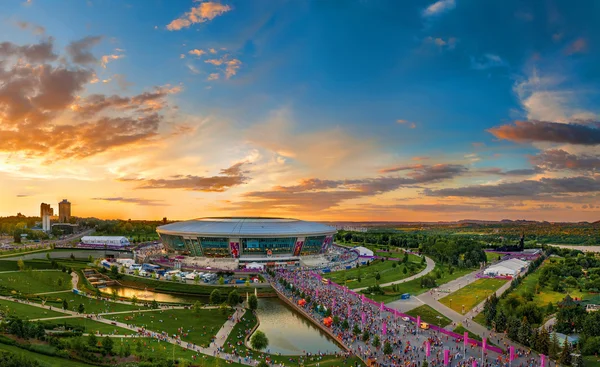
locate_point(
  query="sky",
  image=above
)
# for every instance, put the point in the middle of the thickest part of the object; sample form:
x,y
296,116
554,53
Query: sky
x,y
350,110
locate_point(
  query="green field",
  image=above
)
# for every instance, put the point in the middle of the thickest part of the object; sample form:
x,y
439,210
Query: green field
x,y
491,257
592,361
30,282
90,326
545,295
24,311
464,299
44,360
91,305
367,273
414,286
430,315
198,328
461,329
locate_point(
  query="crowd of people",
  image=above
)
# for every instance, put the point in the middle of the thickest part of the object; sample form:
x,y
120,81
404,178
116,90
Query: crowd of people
x,y
360,322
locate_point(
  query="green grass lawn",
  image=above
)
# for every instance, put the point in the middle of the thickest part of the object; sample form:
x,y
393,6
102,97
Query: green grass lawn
x,y
30,282
545,295
414,286
197,328
430,315
89,326
44,360
491,256
24,311
592,361
91,305
464,299
367,273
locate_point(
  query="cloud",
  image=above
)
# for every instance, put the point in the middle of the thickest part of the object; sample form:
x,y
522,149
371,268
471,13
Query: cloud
x,y
197,52
449,43
231,65
577,46
192,68
318,194
488,61
438,8
213,76
201,13
137,201
558,160
23,195
412,125
526,189
144,102
513,172
108,58
79,51
35,29
227,178
552,132
40,52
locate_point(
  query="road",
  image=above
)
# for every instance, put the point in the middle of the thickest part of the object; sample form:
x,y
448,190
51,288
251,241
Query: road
x,y
428,269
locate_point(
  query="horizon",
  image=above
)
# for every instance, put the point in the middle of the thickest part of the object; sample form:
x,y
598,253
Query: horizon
x,y
358,111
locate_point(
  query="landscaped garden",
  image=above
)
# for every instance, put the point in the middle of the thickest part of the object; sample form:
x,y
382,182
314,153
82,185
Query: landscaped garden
x,y
24,311
30,282
429,315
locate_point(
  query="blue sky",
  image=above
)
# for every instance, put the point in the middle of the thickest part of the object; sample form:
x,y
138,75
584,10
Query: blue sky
x,y
344,92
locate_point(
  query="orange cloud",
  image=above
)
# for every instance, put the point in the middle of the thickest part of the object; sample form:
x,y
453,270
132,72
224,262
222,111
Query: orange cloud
x,y
201,13
197,52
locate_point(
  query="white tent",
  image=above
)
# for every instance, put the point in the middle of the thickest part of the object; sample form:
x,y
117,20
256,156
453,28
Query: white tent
x,y
363,251
255,266
510,267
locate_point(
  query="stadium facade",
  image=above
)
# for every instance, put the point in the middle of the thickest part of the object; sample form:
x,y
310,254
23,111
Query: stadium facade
x,y
247,237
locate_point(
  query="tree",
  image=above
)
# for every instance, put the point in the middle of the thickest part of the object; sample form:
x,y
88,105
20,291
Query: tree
x,y
197,307
356,330
221,281
154,304
253,302
114,270
114,294
542,344
65,304
259,340
365,336
59,282
134,300
387,348
107,344
263,364
404,270
81,308
377,276
21,264
92,341
554,347
197,279
47,256
345,324
90,258
215,297
565,355
233,298
525,332
376,341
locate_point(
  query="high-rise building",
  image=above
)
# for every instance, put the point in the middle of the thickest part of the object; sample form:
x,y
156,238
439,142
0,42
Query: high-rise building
x,y
45,213
64,211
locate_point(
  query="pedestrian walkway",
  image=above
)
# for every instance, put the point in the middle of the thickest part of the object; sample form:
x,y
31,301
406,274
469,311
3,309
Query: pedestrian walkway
x,y
44,293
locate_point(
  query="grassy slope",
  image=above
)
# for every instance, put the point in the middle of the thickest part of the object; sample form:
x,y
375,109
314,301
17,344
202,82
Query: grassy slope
x,y
200,328
430,315
91,305
90,326
28,312
385,268
472,294
45,360
36,281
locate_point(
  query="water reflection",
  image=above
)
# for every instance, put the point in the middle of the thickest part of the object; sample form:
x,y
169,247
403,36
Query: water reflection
x,y
80,254
288,332
146,295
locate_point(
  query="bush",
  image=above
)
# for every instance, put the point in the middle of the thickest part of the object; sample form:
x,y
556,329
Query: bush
x,y
259,340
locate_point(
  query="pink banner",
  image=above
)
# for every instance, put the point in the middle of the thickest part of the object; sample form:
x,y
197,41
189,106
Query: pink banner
x,y
333,305
317,296
418,322
511,353
466,339
396,313
484,344
446,357
381,306
542,360
363,317
474,363
348,310
384,328
427,348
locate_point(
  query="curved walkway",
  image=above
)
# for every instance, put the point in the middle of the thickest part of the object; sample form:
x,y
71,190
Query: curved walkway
x,y
428,269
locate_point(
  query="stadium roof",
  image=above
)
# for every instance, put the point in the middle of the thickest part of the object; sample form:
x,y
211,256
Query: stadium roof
x,y
246,227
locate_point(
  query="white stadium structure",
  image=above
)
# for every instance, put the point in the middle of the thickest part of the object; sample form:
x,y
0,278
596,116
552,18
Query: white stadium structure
x,y
113,241
248,239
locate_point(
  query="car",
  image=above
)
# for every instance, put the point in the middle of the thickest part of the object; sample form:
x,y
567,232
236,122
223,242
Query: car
x,y
405,318
113,323
424,326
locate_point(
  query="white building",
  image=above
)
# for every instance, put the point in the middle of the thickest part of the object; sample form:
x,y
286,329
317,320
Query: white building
x,y
363,251
510,267
105,240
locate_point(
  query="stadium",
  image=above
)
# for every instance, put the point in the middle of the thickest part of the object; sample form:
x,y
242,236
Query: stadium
x,y
248,240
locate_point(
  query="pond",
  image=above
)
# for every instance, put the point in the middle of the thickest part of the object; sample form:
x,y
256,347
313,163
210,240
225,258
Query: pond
x,y
290,333
146,295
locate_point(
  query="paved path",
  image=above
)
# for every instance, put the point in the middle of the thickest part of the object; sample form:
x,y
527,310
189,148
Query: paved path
x,y
428,269
41,294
